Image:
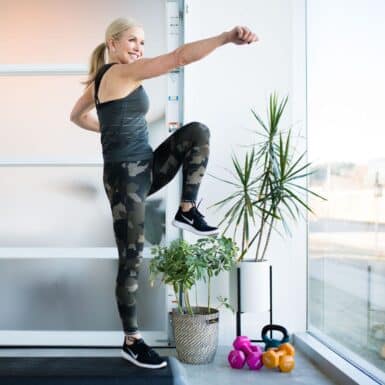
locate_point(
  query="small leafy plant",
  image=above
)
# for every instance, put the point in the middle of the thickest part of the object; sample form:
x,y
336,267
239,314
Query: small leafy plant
x,y
217,255
182,265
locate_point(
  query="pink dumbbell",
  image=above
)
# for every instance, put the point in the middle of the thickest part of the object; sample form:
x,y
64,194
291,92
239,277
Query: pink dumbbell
x,y
253,352
237,359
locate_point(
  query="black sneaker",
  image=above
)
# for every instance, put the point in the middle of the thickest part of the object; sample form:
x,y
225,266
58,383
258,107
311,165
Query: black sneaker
x,y
193,221
140,354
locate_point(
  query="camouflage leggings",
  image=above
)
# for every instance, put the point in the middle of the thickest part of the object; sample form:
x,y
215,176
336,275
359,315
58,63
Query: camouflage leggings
x,y
128,183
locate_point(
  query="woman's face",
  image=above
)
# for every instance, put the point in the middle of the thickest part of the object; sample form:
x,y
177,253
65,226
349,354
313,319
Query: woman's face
x,y
130,46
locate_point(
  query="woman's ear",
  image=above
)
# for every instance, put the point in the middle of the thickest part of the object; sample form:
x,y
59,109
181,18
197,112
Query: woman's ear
x,y
110,45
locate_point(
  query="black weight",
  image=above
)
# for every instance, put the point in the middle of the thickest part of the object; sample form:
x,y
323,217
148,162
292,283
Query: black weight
x,y
272,342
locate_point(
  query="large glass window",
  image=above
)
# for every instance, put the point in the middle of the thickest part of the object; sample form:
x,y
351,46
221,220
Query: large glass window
x,y
346,92
56,32
58,254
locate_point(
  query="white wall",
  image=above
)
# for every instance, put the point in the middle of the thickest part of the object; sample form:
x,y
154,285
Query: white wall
x,y
220,90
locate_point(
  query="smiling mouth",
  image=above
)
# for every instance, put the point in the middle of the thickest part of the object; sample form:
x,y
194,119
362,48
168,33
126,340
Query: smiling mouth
x,y
133,55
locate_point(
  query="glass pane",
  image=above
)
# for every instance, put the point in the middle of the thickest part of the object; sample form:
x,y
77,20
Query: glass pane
x,y
56,32
65,207
72,294
58,254
43,130
46,103
346,86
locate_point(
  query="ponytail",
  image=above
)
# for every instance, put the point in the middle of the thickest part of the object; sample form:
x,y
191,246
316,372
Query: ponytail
x,y
97,60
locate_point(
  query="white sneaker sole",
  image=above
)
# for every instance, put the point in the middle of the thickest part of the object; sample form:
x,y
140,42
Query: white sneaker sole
x,y
127,357
187,227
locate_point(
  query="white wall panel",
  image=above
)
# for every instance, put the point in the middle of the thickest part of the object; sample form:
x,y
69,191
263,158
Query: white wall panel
x,y
220,90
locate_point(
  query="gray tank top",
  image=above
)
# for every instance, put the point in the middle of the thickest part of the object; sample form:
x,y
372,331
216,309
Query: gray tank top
x,y
123,127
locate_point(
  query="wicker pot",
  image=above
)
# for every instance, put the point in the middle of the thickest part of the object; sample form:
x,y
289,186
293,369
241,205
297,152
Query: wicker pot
x,y
196,336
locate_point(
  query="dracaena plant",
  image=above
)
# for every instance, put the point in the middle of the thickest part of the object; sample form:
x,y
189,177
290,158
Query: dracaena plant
x,y
266,188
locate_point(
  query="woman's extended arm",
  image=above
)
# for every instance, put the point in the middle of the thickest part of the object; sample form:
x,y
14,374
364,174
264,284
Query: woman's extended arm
x,y
191,52
146,68
197,50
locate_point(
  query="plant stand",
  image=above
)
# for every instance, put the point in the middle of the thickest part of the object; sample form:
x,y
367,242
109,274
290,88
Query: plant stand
x,y
239,312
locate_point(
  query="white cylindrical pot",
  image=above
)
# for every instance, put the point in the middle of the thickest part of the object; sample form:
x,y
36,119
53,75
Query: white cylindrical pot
x,y
254,286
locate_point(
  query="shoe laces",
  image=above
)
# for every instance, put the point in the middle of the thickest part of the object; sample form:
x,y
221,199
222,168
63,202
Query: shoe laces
x,y
147,349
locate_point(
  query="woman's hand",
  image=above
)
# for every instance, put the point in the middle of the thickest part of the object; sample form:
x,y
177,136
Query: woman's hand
x,y
241,35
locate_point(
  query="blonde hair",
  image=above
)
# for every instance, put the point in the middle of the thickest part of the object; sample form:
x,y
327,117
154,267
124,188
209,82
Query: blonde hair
x,y
114,31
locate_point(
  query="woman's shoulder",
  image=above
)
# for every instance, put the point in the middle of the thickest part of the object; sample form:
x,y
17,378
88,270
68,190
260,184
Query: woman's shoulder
x,y
114,86
117,71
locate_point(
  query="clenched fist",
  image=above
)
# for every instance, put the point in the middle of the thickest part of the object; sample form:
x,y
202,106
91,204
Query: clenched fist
x,y
241,35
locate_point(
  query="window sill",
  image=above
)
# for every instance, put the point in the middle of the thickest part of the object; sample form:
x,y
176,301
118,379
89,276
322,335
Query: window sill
x,y
337,368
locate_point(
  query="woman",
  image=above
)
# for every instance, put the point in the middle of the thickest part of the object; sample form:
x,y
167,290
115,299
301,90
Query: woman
x,y
132,170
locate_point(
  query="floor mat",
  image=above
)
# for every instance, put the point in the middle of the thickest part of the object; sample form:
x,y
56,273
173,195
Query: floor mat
x,y
86,370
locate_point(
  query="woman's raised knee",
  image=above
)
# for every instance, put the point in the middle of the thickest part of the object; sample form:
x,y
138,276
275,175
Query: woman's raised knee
x,y
200,131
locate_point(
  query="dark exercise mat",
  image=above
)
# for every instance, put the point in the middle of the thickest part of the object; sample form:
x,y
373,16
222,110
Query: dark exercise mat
x,y
86,370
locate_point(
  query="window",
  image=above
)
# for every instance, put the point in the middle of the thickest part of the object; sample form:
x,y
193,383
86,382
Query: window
x,y
346,90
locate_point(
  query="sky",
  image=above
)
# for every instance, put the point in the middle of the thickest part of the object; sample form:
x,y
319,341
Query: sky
x,y
346,80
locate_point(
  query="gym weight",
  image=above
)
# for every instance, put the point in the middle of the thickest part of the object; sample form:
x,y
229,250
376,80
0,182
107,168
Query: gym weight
x,y
237,359
253,352
254,360
282,357
271,342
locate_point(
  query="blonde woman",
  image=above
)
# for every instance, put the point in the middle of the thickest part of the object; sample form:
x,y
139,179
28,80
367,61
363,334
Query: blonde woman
x,y
132,169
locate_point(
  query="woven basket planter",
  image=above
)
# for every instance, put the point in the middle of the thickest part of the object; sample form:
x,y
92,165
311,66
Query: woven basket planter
x,y
196,336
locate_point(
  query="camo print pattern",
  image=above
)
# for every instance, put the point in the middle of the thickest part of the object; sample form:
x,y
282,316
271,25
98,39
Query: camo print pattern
x,y
128,183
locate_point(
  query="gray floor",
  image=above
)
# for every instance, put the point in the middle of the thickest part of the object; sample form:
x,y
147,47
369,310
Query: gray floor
x,y
218,372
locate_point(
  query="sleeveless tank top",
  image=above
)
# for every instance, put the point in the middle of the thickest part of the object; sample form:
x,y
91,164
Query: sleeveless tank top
x,y
123,127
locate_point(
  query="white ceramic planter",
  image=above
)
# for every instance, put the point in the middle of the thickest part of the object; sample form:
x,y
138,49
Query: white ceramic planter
x,y
255,286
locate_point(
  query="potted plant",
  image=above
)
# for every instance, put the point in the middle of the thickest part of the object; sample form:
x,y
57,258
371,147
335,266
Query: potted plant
x,y
182,265
265,187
